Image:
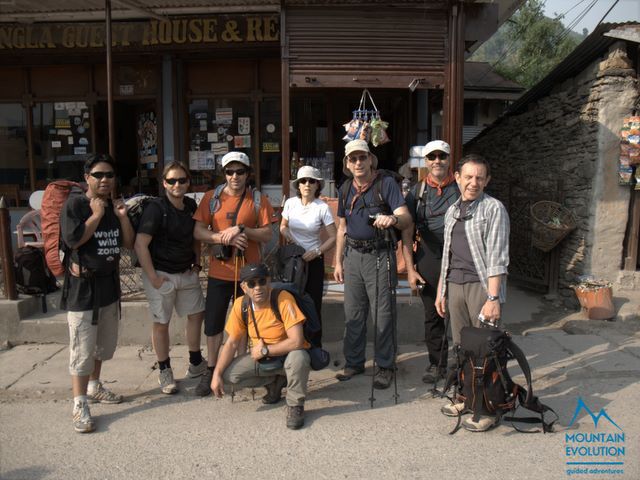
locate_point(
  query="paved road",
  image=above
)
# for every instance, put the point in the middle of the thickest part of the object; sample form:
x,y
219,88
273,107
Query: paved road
x,y
183,436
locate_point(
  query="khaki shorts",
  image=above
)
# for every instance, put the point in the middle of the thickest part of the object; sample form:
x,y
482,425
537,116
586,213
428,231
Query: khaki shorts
x,y
92,342
185,296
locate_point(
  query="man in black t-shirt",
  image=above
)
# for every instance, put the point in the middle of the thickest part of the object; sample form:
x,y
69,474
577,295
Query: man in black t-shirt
x,y
169,258
93,229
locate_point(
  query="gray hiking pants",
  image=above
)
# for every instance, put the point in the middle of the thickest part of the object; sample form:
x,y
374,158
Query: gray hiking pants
x,y
360,273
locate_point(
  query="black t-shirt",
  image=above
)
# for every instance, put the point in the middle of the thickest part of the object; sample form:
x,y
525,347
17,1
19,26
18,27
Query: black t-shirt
x,y
99,257
172,245
462,268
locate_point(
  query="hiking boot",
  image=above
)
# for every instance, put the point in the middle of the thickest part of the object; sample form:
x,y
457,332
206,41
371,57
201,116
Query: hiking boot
x,y
82,421
195,371
295,417
483,424
204,385
349,372
166,381
430,374
382,378
274,390
103,395
454,409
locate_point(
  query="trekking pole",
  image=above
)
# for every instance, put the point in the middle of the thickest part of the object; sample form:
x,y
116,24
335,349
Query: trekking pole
x,y
392,296
435,392
375,324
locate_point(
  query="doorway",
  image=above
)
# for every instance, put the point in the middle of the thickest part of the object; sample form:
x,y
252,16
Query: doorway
x,y
137,132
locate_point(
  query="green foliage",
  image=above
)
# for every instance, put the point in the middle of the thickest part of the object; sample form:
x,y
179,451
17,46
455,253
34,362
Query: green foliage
x,y
528,46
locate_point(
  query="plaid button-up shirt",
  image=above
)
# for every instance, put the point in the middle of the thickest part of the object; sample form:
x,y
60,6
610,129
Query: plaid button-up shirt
x,y
487,231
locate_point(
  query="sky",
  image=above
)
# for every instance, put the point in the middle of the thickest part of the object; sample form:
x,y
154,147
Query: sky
x,y
624,11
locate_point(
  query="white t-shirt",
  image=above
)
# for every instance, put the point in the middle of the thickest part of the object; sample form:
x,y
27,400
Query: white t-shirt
x,y
305,221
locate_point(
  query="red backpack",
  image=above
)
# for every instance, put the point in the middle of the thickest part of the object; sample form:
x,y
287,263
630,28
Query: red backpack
x,y
53,200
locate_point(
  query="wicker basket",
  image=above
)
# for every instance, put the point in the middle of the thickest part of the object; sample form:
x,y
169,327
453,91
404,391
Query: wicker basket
x,y
550,223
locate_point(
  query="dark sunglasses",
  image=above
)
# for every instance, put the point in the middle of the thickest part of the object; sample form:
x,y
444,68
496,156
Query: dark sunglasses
x,y
239,172
262,281
101,175
441,156
355,158
310,181
173,181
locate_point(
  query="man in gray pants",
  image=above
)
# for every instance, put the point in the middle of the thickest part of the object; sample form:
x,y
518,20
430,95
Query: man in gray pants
x,y
473,278
368,205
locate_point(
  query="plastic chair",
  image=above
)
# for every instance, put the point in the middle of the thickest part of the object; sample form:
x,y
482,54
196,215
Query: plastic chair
x,y
29,226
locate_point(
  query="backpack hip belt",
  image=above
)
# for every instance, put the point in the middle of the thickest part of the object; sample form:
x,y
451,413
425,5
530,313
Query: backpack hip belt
x,y
366,246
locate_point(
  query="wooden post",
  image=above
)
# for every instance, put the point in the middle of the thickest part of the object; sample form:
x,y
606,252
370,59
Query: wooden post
x,y
285,105
27,103
6,251
112,140
454,83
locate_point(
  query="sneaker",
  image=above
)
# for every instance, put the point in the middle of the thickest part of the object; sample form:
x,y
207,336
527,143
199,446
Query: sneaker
x,y
274,390
454,409
382,378
483,424
195,371
103,395
166,381
82,421
204,385
349,372
295,417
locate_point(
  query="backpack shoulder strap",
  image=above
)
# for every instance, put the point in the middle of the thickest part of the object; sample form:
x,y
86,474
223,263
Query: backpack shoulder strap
x,y
421,192
244,312
257,200
345,188
214,203
275,293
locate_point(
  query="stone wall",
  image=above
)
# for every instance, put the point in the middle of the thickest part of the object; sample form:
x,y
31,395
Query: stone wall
x,y
565,148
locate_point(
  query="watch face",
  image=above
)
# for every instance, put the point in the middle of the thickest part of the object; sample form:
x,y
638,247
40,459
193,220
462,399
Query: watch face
x,y
264,351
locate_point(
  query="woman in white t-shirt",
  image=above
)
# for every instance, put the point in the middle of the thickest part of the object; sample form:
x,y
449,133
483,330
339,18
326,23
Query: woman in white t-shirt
x,y
303,217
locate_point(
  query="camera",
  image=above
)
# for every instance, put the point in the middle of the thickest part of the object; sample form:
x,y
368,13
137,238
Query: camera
x,y
372,218
222,252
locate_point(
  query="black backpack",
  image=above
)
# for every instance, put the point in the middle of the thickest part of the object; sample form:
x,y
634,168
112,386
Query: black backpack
x,y
483,382
378,205
33,277
311,327
289,267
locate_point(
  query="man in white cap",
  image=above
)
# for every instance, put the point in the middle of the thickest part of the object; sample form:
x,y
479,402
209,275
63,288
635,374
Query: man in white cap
x,y
235,220
428,201
369,204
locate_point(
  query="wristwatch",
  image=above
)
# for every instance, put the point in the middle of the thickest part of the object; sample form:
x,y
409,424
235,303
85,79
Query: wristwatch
x,y
264,351
492,298
241,227
397,219
196,265
318,251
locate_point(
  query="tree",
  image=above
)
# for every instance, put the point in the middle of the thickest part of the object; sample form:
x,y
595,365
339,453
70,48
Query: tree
x,y
530,45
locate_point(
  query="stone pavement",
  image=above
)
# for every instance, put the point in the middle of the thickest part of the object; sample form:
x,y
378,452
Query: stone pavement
x,y
184,436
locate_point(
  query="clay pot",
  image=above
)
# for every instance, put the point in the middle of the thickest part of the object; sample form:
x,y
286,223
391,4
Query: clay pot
x,y
597,302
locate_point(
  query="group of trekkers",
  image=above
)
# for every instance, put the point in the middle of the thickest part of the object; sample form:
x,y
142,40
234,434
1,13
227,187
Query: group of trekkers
x,y
455,246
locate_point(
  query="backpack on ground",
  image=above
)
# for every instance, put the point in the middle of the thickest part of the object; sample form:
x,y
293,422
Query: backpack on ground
x,y
33,277
483,383
311,327
53,200
289,267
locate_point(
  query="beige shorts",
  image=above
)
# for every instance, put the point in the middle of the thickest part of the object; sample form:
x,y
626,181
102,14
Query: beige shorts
x,y
92,342
185,295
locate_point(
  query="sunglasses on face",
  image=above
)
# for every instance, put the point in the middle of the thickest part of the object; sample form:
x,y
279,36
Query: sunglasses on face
x,y
354,159
441,156
239,172
253,283
173,181
101,175
310,181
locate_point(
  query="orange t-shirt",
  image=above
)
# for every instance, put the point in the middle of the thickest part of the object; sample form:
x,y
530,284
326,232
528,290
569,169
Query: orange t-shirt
x,y
225,269
271,330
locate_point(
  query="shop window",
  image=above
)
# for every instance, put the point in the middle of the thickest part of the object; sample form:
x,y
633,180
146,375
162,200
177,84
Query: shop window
x,y
470,113
13,145
218,126
61,139
270,142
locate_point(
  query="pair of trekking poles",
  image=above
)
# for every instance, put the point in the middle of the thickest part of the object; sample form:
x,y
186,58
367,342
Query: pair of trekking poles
x,y
389,243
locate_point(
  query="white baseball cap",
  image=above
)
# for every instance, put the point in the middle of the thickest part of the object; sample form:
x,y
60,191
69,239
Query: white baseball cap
x,y
436,146
235,157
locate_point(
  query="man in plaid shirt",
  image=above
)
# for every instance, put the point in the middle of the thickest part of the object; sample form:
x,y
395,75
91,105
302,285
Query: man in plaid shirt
x,y
475,258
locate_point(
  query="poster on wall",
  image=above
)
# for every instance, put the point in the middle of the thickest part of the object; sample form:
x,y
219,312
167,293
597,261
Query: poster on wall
x,y
69,139
224,115
242,141
244,125
147,134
